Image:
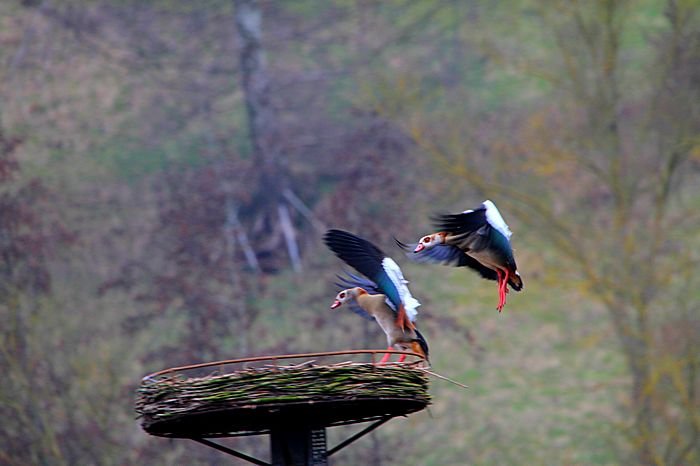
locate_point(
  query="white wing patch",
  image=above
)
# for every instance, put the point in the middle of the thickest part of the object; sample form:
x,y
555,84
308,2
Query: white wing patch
x,y
409,302
493,216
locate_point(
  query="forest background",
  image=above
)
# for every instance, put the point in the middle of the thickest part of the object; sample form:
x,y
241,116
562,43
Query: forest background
x,y
167,169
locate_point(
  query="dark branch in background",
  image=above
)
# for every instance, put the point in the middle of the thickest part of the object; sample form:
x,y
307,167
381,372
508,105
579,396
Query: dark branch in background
x,y
234,230
263,128
256,87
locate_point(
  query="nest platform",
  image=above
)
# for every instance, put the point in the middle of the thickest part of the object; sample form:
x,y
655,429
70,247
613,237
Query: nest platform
x,y
262,395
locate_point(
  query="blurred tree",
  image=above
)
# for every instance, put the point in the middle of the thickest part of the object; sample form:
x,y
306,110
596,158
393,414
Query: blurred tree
x,y
192,269
30,235
601,172
145,144
262,129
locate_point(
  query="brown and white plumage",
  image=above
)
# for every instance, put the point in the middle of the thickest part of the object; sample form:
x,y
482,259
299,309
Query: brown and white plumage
x,y
380,269
478,239
382,296
374,307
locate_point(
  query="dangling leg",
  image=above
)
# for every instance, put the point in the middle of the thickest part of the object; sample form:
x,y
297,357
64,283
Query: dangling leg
x,y
386,357
506,275
402,358
504,290
501,298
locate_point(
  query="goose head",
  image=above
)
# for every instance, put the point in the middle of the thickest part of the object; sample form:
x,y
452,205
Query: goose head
x,y
430,241
344,296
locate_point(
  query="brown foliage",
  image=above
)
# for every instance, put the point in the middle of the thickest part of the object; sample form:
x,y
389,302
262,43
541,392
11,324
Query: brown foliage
x,y
30,233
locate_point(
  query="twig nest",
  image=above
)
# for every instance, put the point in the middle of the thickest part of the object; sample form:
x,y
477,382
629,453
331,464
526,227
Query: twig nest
x,y
258,400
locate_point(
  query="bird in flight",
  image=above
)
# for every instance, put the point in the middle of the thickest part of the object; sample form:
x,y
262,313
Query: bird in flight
x,y
477,238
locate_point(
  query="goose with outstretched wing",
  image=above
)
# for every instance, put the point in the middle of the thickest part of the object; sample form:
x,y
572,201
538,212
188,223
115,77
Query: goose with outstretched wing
x,y
382,296
478,239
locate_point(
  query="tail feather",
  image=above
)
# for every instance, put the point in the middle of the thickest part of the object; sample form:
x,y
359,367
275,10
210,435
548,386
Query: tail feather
x,y
515,281
423,344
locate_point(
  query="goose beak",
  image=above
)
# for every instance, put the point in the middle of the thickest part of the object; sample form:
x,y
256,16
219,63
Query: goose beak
x,y
336,304
419,248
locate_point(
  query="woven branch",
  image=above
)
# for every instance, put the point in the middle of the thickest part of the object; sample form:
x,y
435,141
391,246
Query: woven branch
x,y
176,397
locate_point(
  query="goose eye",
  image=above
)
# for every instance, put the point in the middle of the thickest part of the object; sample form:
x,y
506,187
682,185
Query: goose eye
x,y
342,295
426,240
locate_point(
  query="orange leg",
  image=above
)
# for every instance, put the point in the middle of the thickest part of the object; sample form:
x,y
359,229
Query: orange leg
x,y
500,290
505,288
402,358
386,357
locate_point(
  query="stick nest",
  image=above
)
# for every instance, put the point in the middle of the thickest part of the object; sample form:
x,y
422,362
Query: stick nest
x,y
256,400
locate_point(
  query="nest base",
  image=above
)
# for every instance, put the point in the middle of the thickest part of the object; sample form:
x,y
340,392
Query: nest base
x,y
261,419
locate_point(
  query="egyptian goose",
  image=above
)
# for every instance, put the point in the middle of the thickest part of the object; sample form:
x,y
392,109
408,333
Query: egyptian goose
x,y
477,238
382,296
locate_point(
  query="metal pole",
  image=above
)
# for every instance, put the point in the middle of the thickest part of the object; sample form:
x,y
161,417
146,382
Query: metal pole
x,y
298,446
231,451
358,435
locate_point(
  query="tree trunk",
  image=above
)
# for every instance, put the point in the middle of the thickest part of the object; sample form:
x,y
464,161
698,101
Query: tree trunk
x,y
262,124
641,393
635,340
263,131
